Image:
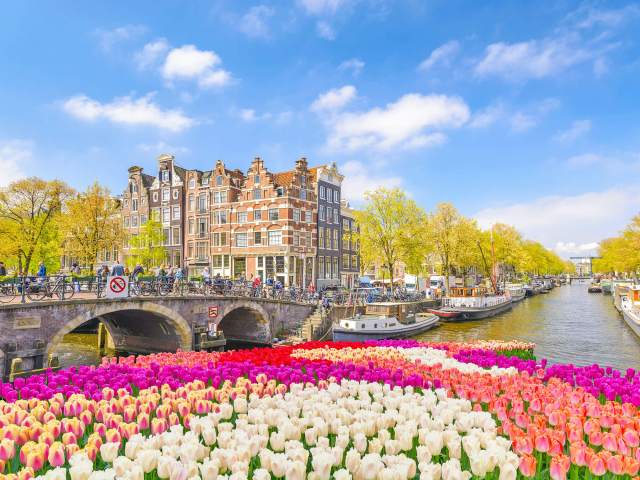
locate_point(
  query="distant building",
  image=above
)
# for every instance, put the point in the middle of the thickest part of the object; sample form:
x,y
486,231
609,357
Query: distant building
x,y
350,261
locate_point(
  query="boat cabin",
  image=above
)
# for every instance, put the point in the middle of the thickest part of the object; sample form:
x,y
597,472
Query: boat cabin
x,y
633,294
467,291
403,312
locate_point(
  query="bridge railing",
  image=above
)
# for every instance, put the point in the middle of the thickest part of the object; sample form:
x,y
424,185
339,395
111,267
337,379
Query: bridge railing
x,y
29,289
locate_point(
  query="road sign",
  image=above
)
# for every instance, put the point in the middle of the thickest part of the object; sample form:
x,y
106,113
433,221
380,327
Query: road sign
x,y
213,311
117,287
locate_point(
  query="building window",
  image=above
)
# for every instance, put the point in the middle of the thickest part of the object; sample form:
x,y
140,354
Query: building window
x,y
134,205
191,225
220,197
335,239
303,180
219,180
345,261
205,181
322,192
220,217
133,187
321,212
275,237
155,196
335,216
126,203
329,213
126,221
165,175
307,216
329,195
165,194
241,239
242,217
257,194
335,267
143,200
273,214
176,212
192,183
256,179
143,219
219,239
257,238
165,235
202,202
155,214
345,224
354,262
296,214
336,197
176,235
327,267
320,267
321,237
192,202
175,193
202,227
279,191
303,194
166,215
327,236
257,215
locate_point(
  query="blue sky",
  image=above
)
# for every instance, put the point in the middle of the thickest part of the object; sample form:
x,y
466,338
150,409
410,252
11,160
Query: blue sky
x,y
512,111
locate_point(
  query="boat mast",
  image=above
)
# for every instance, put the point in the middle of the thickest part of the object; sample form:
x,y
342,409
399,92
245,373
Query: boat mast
x,y
494,279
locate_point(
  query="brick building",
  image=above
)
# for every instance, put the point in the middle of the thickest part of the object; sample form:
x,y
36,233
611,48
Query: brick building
x,y
350,261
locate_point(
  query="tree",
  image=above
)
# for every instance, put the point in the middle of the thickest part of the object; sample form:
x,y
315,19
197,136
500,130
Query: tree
x,y
91,223
453,239
28,212
387,228
147,247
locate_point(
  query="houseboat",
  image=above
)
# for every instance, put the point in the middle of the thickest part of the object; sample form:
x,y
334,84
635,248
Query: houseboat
x,y
606,286
384,320
472,303
517,292
630,307
620,290
595,288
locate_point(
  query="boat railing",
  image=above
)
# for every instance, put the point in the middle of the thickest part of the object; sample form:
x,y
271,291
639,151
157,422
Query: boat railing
x,y
473,302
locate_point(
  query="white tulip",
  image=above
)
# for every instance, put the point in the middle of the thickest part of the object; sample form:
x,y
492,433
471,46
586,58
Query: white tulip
x,y
261,474
430,471
109,451
121,465
80,470
240,405
147,459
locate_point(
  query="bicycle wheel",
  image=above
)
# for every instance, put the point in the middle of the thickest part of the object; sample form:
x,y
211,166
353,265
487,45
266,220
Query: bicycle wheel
x,y
7,293
68,290
35,293
164,289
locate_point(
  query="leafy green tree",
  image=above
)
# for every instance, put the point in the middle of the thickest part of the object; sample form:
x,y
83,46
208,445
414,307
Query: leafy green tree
x,y
147,247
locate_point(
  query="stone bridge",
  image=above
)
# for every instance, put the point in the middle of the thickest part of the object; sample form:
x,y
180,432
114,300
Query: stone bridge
x,y
142,324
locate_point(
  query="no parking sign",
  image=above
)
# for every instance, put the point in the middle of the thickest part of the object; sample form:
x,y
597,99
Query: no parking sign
x,y
117,287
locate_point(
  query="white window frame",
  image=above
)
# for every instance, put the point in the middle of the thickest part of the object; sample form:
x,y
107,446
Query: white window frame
x,y
274,237
296,214
241,240
323,194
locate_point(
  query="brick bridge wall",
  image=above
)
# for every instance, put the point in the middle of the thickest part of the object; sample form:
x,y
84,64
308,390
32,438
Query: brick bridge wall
x,y
32,331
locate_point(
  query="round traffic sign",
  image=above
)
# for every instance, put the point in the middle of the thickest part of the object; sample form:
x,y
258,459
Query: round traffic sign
x,y
117,285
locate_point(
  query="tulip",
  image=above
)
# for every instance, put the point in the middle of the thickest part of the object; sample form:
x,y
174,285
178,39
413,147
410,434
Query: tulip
x,y
56,455
7,449
528,466
109,451
559,467
597,466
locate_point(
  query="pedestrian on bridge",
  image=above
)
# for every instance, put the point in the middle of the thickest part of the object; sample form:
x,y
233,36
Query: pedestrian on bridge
x,y
3,270
117,270
42,271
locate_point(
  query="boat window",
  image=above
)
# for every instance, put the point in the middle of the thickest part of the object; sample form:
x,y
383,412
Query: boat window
x,y
362,325
375,325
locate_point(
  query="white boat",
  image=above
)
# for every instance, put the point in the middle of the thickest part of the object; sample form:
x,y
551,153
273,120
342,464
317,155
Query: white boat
x,y
516,291
384,320
471,303
630,308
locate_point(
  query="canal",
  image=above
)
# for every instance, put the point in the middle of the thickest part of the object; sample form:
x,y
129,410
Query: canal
x,y
568,325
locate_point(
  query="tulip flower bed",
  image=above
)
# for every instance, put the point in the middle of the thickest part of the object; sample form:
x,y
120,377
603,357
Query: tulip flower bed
x,y
378,410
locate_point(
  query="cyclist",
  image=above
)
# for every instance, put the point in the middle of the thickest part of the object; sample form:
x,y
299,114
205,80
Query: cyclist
x,y
137,271
206,276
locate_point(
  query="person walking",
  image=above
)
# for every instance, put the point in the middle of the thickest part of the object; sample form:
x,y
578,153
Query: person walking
x,y
206,276
137,271
42,271
117,270
75,273
3,270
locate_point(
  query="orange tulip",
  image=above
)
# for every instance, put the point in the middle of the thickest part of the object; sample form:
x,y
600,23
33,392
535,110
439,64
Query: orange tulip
x,y
616,465
528,466
631,438
559,467
542,443
610,442
597,466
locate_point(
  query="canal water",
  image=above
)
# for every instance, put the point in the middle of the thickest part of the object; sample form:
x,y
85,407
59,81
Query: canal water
x,y
568,325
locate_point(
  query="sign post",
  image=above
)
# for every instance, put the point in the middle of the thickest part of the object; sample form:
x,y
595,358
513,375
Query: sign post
x,y
117,287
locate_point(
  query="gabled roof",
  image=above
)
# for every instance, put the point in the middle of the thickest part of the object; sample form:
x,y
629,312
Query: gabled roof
x,y
283,178
147,180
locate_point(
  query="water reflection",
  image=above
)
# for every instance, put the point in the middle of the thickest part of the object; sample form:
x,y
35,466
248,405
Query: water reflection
x,y
567,325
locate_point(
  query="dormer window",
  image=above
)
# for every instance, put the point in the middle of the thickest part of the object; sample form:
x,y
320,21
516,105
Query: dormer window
x,y
165,175
205,181
256,179
134,187
279,191
219,181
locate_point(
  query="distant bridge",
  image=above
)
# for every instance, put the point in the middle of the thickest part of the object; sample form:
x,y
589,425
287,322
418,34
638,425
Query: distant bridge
x,y
33,331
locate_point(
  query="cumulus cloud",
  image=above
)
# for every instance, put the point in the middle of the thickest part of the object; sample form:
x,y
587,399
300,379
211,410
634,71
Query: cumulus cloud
x,y
254,23
322,7
487,116
354,65
109,38
128,111
14,155
576,130
334,99
573,249
585,160
190,63
442,55
568,219
151,53
413,121
325,30
588,16
361,180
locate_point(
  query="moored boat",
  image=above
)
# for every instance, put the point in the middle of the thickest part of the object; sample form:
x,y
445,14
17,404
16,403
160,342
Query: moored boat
x,y
620,291
630,308
606,286
384,320
594,288
517,292
472,304
528,290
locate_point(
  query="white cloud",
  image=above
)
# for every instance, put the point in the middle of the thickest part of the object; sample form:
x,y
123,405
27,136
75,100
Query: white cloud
x,y
14,156
533,59
151,53
187,62
109,38
248,114
410,122
334,99
577,129
355,65
488,116
360,179
162,147
442,55
324,30
569,249
521,122
588,16
254,23
322,7
128,111
585,160
581,219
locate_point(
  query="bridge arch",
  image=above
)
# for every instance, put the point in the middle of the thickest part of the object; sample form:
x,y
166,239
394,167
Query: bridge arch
x,y
146,321
246,321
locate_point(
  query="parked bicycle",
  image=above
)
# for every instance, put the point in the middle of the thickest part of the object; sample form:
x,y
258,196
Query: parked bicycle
x,y
39,290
